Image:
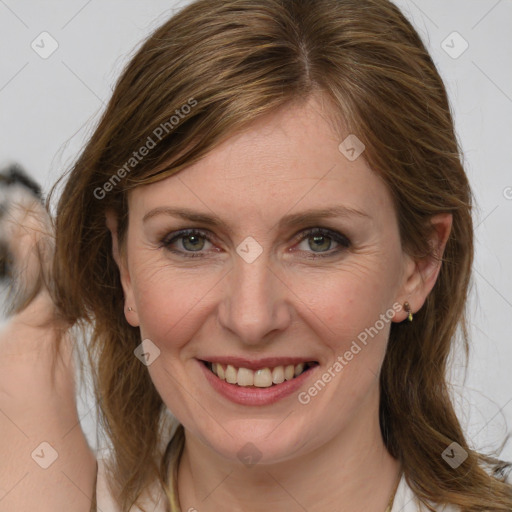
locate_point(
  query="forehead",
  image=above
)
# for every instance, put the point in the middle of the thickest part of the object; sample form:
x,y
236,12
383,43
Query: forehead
x,y
286,161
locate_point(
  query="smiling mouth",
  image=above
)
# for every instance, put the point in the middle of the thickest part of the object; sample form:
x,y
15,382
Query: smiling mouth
x,y
261,378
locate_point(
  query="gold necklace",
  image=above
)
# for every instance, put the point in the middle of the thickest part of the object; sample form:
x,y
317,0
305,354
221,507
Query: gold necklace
x,y
172,491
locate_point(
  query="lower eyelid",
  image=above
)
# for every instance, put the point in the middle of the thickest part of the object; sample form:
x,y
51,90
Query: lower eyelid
x,y
343,246
341,240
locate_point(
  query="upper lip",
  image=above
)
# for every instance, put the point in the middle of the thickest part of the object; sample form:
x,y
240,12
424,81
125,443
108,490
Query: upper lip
x,y
256,364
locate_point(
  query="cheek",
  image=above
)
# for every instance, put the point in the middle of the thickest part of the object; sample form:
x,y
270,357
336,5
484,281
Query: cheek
x,y
347,302
171,301
339,303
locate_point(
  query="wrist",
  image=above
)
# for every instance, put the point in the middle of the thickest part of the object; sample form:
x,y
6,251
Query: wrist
x,y
24,339
40,314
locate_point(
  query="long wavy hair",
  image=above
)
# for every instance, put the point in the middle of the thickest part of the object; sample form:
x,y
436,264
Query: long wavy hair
x,y
209,71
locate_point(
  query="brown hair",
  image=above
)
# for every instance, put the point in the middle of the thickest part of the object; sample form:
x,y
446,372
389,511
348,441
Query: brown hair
x,y
231,62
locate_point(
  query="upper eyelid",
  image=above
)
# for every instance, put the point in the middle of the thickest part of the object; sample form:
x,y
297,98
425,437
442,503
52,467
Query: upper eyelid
x,y
209,234
179,233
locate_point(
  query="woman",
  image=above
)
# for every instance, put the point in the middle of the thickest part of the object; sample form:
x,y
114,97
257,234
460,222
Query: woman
x,y
270,235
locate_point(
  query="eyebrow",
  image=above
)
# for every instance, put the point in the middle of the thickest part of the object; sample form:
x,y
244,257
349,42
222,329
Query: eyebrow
x,y
294,219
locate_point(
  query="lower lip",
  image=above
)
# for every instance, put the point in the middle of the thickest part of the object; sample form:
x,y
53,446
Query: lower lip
x,y
255,396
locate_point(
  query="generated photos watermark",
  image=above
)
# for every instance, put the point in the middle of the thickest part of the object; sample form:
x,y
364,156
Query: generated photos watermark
x,y
151,142
305,397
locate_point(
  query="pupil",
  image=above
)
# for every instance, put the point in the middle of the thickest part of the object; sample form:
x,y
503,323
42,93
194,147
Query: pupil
x,y
320,238
194,244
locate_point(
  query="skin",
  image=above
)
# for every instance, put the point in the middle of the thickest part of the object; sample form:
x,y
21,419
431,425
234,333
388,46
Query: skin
x,y
314,456
37,387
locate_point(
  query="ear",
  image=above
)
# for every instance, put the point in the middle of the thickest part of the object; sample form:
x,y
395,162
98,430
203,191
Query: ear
x,y
420,276
122,264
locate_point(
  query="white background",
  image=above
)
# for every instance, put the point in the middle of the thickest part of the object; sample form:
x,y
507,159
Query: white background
x,y
48,107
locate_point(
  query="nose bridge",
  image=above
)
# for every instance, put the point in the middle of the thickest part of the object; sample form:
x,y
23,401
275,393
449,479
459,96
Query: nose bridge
x,y
254,303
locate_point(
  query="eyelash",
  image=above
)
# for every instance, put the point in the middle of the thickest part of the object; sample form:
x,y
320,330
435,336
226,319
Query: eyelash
x,y
342,240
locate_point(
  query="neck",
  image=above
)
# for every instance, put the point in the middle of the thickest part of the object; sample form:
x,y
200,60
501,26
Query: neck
x,y
352,472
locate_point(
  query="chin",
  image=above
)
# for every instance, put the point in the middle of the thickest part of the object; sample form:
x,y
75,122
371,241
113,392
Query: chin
x,y
252,441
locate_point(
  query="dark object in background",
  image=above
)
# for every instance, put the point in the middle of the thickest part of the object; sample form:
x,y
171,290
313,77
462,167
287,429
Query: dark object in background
x,y
13,176
5,262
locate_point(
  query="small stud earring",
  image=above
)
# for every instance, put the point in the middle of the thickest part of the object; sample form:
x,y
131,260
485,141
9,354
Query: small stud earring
x,y
130,309
407,308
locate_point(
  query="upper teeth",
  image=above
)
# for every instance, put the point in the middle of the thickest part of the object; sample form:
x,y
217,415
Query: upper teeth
x,y
262,378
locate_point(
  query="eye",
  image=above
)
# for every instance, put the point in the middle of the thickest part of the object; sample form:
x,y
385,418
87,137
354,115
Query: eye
x,y
190,240
319,239
190,243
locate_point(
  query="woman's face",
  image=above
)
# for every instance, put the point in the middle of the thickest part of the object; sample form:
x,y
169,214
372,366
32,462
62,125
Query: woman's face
x,y
268,285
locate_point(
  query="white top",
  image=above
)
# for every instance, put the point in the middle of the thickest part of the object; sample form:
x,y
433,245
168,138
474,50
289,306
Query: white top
x,y
405,499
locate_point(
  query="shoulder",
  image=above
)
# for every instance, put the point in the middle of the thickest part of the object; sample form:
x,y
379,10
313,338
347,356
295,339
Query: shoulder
x,y
154,498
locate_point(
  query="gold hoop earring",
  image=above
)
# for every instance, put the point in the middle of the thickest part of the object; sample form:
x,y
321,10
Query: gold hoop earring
x,y
407,308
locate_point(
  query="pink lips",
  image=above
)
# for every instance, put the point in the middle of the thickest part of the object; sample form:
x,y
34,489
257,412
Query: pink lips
x,y
252,395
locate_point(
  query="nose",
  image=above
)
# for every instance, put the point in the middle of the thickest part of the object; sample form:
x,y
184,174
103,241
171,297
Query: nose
x,y
255,305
